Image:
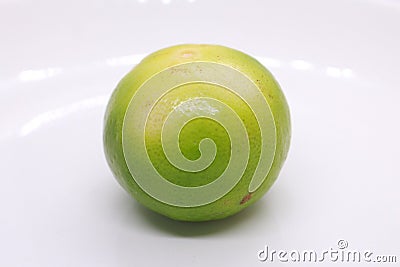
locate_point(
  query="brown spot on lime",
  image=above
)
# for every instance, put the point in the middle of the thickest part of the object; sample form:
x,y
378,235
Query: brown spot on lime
x,y
199,69
245,198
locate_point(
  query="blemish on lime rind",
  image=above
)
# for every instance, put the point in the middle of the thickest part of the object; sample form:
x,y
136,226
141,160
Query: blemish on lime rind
x,y
246,198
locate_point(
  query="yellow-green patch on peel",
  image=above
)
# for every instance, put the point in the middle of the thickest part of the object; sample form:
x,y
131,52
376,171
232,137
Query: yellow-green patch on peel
x,y
197,132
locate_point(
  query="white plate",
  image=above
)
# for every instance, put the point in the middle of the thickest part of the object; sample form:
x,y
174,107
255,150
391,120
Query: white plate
x,y
337,62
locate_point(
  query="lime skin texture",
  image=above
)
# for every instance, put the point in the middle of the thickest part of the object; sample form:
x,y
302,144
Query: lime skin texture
x,y
197,132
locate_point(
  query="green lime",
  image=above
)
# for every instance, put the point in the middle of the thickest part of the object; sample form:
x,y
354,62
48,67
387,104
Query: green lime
x,y
197,132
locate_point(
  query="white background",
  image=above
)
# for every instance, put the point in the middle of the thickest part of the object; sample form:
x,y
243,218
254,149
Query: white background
x,y
337,62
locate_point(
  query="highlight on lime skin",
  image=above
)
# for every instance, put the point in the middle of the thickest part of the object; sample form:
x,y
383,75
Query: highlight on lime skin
x,y
197,132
